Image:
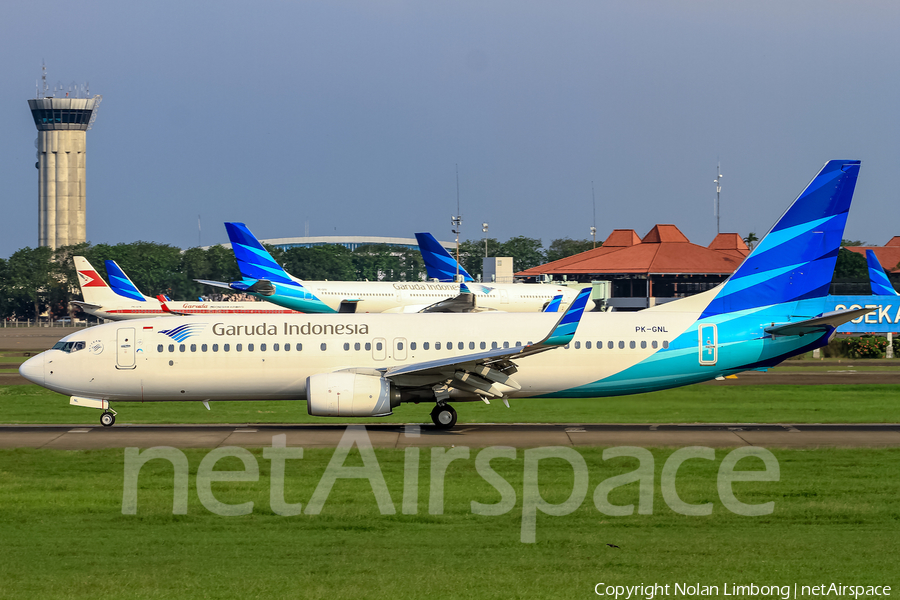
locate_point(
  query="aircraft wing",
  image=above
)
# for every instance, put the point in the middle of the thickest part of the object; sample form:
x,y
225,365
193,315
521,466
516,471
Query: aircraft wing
x,y
480,372
823,322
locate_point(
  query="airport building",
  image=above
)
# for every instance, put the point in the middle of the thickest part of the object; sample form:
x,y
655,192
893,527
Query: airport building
x,y
642,272
62,120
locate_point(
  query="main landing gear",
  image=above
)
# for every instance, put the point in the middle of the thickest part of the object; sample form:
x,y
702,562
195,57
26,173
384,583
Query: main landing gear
x,y
443,416
109,417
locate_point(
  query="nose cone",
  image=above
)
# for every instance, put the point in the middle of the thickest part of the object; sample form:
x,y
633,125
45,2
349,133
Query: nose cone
x,y
33,369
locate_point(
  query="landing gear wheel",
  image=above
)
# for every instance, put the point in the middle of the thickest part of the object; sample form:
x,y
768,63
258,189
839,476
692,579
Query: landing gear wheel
x,y
107,419
443,416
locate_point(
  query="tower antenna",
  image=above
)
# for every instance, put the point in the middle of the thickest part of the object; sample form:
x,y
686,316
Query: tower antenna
x,y
718,182
594,226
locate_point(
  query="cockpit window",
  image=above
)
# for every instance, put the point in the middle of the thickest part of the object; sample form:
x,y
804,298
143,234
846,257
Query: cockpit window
x,y
69,347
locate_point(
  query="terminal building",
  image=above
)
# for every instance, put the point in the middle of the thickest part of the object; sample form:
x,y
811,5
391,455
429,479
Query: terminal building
x,y
349,241
642,272
62,120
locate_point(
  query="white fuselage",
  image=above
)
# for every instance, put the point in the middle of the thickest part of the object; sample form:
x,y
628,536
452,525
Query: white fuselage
x,y
132,309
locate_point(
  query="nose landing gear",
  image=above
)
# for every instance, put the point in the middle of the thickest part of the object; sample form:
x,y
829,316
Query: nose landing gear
x,y
443,416
108,418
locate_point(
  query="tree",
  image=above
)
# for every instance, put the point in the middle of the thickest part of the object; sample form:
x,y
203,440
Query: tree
x,y
327,262
29,279
850,265
526,252
751,240
852,243
565,247
376,262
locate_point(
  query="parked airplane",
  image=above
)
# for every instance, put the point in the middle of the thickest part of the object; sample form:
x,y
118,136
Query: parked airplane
x,y
362,365
123,300
439,264
264,278
884,302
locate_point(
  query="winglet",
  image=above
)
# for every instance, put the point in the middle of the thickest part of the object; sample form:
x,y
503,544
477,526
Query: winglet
x,y
121,284
553,305
878,279
565,328
438,262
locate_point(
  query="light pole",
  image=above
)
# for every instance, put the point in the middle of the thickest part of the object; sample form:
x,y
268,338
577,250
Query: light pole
x,y
718,182
484,230
594,226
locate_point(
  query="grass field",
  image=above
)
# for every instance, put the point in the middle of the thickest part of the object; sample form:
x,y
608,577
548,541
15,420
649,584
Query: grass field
x,y
698,403
836,519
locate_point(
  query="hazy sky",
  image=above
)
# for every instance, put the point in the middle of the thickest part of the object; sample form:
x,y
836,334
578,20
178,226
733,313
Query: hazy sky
x,y
351,116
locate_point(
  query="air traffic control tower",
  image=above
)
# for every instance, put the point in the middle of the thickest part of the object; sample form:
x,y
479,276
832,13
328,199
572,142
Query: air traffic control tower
x,y
62,119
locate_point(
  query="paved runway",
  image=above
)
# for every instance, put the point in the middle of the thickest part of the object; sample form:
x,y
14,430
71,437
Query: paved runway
x,y
80,437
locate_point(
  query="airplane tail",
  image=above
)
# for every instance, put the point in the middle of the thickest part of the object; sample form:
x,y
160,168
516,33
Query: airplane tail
x,y
878,279
438,262
796,259
94,290
253,260
121,284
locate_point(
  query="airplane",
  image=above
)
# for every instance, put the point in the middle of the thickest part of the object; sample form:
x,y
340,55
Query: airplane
x,y
885,302
365,365
265,279
123,301
439,264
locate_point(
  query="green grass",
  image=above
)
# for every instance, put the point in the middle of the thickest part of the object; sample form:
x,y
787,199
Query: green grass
x,y
698,403
836,519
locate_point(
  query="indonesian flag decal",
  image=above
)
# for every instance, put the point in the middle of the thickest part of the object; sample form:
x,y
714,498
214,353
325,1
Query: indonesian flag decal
x,y
91,279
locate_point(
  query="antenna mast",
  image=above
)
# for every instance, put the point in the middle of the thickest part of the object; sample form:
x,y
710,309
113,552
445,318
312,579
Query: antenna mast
x,y
594,226
718,182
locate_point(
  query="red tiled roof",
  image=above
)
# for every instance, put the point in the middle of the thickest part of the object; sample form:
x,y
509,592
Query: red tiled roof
x,y
730,243
888,255
663,250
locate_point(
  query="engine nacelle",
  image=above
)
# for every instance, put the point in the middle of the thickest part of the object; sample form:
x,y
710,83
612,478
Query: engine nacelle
x,y
350,395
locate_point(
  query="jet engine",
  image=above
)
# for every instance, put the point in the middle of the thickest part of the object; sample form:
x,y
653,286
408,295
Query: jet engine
x,y
350,395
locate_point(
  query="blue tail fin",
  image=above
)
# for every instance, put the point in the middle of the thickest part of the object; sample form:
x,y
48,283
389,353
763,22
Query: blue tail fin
x,y
878,279
553,305
564,331
796,258
438,262
253,260
120,283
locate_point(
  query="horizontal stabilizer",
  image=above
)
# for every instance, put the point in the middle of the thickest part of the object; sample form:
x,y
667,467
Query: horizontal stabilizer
x,y
85,304
824,322
219,284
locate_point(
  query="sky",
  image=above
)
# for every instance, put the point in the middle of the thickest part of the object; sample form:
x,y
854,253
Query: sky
x,y
352,118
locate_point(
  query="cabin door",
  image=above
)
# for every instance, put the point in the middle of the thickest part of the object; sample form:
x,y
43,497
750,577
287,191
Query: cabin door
x,y
125,348
709,344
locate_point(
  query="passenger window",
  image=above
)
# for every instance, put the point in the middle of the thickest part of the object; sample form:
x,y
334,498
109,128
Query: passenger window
x,y
437,345
346,346
171,347
193,347
621,345
493,345
587,345
566,346
609,345
449,345
578,345
461,346
654,344
483,345
287,347
425,345
226,348
471,345
631,344
399,345
665,344
181,347
204,348
275,347
249,347
643,345
369,346
518,343
159,348
299,347
412,345
215,347
323,346
238,347
506,344
262,347
356,346
378,346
